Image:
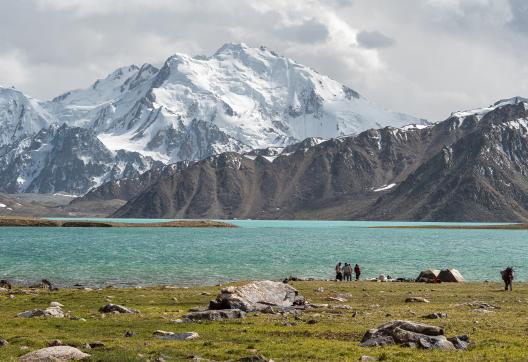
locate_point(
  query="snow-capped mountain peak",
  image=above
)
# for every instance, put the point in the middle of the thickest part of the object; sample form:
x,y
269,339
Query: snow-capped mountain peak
x,y
20,116
480,112
239,98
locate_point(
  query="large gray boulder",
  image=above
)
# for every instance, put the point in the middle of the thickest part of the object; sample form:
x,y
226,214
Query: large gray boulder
x,y
258,296
413,335
57,354
51,312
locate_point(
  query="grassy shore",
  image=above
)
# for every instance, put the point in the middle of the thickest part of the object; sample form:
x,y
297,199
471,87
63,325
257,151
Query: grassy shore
x,y
499,335
35,222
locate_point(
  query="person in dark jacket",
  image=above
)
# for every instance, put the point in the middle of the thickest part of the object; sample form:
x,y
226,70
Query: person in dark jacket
x,y
507,276
339,272
357,271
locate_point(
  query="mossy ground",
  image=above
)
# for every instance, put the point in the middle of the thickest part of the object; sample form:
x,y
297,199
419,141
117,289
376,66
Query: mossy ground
x,y
501,335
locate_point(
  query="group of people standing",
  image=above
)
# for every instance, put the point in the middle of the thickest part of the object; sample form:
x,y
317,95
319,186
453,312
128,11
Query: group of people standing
x,y
344,272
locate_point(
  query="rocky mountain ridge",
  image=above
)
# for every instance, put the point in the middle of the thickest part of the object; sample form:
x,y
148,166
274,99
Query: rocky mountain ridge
x,y
470,167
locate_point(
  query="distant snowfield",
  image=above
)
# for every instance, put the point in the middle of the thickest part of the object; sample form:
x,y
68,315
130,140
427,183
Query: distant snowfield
x,y
384,188
124,142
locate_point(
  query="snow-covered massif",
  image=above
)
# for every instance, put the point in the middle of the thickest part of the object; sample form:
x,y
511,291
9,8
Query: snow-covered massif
x,y
240,98
480,112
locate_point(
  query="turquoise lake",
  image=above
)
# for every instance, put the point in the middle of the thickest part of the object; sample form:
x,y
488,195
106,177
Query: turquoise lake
x,y
255,250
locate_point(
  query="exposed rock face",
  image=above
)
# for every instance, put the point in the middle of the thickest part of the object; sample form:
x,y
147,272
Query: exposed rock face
x,y
57,353
413,335
471,167
257,296
328,180
116,308
65,159
128,188
480,177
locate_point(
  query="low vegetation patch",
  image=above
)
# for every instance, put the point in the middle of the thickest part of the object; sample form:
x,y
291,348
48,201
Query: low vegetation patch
x,y
326,333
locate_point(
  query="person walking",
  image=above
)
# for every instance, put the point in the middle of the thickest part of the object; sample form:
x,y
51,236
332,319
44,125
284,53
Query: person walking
x,y
357,271
347,272
339,272
507,276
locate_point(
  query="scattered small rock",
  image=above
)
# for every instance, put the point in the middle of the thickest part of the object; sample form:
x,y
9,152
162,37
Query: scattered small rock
x,y
436,316
312,321
367,358
480,305
96,344
56,304
215,315
338,299
416,300
55,343
483,311
129,334
342,306
176,336
58,353
316,306
254,358
116,308
3,342
319,290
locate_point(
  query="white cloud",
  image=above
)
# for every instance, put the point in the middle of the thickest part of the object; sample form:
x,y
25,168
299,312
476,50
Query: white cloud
x,y
13,70
444,55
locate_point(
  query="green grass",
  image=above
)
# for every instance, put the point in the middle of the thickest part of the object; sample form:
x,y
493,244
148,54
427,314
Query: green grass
x,y
498,336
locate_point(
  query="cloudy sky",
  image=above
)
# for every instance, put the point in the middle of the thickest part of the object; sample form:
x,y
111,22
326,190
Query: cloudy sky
x,y
424,57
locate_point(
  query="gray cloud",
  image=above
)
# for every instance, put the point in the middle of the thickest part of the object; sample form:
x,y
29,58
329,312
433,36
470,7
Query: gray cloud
x,y
519,21
310,31
374,39
449,54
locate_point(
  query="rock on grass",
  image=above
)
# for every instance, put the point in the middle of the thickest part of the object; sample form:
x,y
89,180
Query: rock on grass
x,y
176,336
412,335
116,308
58,353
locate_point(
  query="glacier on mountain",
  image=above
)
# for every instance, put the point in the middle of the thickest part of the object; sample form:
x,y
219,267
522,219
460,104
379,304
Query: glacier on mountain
x,y
238,99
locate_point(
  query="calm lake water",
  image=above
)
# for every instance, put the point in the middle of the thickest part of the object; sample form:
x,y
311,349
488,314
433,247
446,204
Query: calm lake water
x,y
255,250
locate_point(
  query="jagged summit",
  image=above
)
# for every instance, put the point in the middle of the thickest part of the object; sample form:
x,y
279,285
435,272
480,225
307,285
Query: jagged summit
x,y
238,99
479,112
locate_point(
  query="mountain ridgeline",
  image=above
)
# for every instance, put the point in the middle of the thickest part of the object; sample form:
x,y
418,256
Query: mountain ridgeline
x,y
236,100
471,167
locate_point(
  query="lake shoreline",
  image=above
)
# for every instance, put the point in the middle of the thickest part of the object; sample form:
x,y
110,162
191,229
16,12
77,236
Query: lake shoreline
x,y
36,222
